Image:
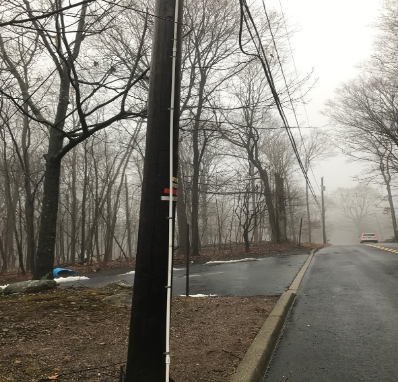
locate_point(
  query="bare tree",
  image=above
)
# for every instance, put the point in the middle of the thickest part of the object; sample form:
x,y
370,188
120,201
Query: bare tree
x,y
316,146
366,112
385,56
357,204
246,130
100,90
248,212
210,46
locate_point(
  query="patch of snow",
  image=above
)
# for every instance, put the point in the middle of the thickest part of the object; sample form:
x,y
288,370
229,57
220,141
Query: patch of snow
x,y
70,278
203,274
231,261
4,286
128,273
199,295
133,272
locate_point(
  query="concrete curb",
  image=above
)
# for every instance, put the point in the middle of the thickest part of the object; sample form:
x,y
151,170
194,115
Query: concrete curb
x,y
255,362
297,280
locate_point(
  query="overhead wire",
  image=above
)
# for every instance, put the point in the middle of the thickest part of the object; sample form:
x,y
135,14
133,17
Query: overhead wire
x,y
297,78
23,21
268,73
285,81
19,106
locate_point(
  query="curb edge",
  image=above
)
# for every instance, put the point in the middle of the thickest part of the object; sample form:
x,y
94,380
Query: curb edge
x,y
255,362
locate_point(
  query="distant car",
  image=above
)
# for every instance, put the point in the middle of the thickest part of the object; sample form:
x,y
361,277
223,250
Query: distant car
x,y
368,237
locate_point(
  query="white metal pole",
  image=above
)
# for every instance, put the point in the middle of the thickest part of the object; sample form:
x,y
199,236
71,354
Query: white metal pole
x,y
170,268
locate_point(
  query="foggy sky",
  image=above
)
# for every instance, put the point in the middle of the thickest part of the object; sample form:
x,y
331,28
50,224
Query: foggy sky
x,y
332,38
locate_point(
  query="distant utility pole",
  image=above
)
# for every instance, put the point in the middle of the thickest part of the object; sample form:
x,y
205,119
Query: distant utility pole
x,y
323,213
146,356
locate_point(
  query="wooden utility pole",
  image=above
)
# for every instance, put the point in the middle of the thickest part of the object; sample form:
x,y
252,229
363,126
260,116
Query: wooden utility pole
x,y
323,214
147,340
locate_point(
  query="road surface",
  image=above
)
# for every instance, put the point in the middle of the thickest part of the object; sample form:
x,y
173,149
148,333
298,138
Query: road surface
x,y
263,277
344,324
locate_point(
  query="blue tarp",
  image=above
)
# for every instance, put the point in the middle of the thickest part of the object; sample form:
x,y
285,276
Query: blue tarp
x,y
62,272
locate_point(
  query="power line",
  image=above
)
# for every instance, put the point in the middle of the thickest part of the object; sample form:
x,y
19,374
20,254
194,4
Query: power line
x,y
51,13
267,71
45,15
286,85
293,60
297,78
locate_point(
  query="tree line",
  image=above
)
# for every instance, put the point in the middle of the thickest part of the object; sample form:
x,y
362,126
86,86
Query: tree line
x,y
364,111
74,82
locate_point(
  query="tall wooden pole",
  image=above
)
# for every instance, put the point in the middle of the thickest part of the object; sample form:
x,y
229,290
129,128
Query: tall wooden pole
x,y
147,340
323,214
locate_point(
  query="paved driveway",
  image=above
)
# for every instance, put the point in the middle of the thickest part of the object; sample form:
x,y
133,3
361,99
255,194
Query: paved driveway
x,y
262,277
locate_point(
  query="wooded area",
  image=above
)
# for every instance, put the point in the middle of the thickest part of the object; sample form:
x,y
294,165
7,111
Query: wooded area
x,y
365,112
74,83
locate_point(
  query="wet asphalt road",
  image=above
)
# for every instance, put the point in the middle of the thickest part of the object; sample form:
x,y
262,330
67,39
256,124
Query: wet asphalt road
x,y
344,324
263,277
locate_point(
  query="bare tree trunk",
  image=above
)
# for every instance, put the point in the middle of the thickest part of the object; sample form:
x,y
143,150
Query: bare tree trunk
x,y
195,195
113,206
253,190
73,207
385,170
128,221
219,225
246,239
29,197
291,214
48,224
4,266
181,215
67,231
83,207
11,197
204,187
274,227
18,240
60,232
280,205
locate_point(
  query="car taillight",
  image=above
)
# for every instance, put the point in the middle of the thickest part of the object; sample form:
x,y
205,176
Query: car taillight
x,y
363,237
374,237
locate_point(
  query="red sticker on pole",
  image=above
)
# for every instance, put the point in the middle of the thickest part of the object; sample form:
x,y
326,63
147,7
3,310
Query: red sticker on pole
x,y
167,191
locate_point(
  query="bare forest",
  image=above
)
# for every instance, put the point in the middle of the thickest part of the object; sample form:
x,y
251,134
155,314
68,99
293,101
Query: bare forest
x,y
74,85
364,112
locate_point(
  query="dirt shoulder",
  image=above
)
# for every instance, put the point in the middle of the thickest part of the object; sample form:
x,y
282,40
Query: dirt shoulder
x,y
61,331
71,329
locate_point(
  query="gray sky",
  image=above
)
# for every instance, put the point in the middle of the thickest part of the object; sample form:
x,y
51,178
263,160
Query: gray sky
x,y
332,38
